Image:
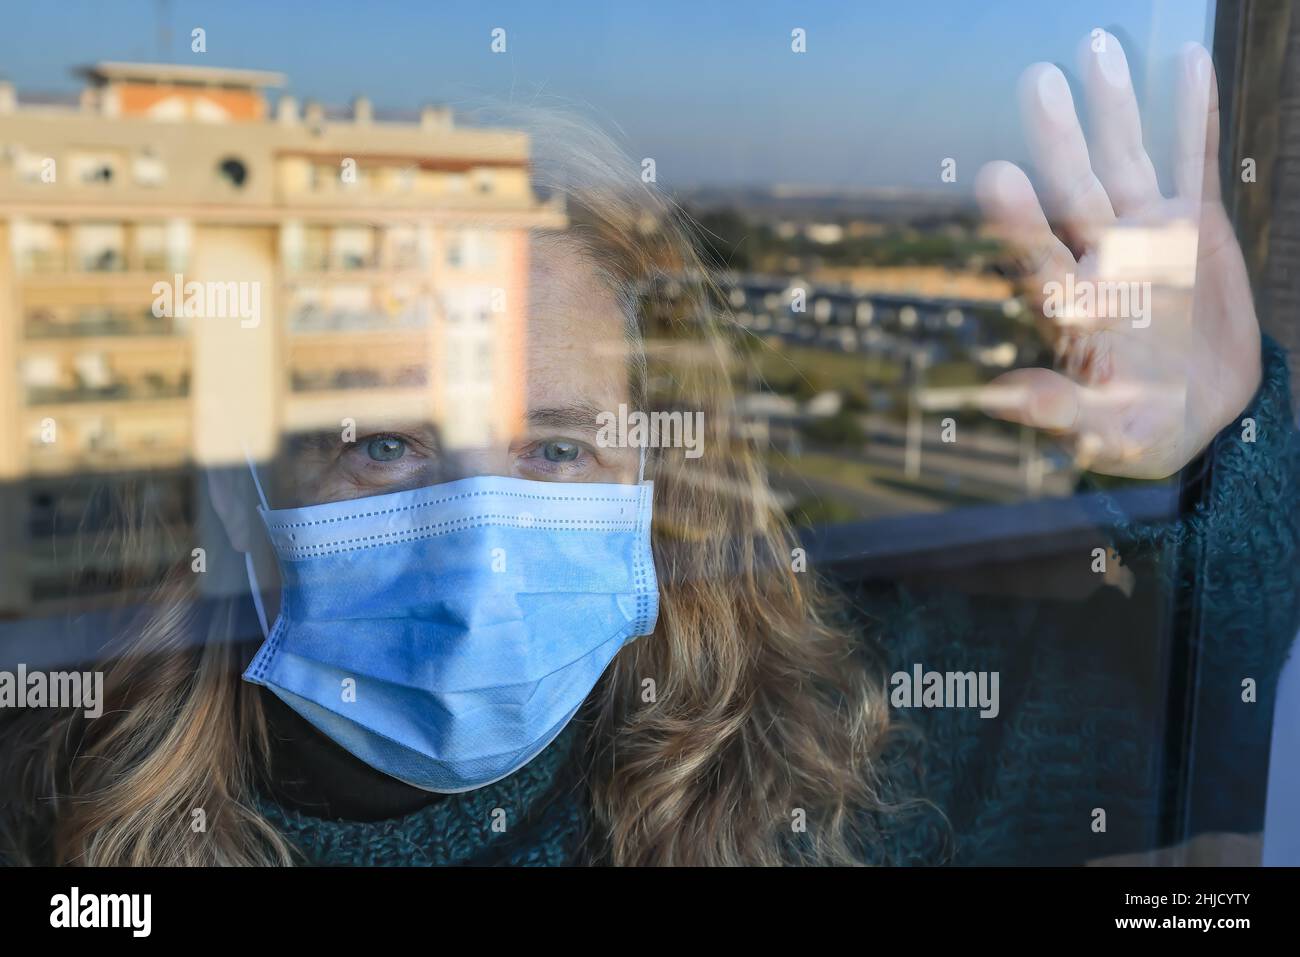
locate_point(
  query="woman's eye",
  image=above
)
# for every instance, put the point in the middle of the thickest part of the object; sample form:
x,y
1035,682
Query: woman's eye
x,y
561,451
386,448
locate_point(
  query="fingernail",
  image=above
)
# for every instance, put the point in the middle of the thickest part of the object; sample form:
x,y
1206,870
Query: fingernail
x,y
1053,91
1113,63
1197,63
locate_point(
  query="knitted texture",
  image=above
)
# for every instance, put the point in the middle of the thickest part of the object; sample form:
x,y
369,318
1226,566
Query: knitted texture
x,y
534,817
1081,726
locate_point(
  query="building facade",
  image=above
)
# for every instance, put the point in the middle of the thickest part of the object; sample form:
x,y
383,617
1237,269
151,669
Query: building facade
x,y
186,273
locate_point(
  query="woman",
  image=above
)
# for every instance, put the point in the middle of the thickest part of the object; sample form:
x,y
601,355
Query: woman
x,y
738,715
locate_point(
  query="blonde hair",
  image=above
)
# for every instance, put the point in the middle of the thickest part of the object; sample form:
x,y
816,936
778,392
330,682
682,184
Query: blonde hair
x,y
763,714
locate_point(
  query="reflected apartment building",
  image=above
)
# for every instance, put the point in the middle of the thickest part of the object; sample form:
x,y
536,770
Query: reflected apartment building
x,y
356,264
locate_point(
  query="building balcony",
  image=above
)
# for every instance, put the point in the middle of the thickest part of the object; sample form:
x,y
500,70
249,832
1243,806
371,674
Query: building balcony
x,y
44,324
312,265
360,378
108,262
344,323
140,391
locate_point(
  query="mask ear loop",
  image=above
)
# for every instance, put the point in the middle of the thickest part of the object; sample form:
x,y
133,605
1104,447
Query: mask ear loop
x,y
257,483
257,595
248,558
640,475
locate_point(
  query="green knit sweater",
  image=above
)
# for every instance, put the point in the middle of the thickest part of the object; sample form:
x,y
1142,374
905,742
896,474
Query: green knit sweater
x,y
1080,728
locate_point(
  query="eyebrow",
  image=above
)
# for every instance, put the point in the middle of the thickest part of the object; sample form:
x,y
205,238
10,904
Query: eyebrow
x,y
580,415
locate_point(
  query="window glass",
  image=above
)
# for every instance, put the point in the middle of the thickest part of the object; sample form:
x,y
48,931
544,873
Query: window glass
x,y
815,435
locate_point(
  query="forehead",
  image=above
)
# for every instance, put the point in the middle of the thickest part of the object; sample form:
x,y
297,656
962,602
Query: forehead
x,y
577,346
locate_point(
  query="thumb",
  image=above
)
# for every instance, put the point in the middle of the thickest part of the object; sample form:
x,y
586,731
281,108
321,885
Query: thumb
x,y
1039,398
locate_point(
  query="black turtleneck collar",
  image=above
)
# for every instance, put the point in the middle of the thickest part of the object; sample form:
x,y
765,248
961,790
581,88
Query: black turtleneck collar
x,y
309,773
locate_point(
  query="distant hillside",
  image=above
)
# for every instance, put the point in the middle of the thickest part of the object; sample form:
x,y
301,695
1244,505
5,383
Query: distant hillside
x,y
819,203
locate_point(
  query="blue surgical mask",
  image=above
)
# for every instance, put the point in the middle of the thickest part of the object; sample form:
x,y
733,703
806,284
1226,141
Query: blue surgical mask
x,y
446,635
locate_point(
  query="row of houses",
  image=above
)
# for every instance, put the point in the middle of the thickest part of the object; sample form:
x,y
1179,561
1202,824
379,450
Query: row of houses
x,y
897,326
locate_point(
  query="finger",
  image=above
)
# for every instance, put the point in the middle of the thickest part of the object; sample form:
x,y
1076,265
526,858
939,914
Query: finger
x,y
1196,165
1074,195
1118,157
1090,418
1039,398
1015,216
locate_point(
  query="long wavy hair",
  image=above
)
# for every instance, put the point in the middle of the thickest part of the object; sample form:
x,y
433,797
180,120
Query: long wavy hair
x,y
761,743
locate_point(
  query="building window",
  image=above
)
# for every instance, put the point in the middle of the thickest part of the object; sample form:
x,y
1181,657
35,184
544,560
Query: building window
x,y
99,247
31,167
93,169
148,169
233,171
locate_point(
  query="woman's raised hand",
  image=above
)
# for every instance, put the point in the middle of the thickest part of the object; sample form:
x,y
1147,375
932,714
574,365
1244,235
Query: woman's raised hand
x,y
1145,297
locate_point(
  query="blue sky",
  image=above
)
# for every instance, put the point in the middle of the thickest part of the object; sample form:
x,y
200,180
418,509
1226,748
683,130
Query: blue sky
x,y
710,90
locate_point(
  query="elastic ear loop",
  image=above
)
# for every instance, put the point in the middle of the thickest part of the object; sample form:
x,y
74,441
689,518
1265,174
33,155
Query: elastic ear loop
x,y
248,558
640,475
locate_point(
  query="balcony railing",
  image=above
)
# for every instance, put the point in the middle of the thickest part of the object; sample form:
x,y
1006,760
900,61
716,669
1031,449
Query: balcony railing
x,y
138,391
337,380
49,262
311,320
320,260
96,323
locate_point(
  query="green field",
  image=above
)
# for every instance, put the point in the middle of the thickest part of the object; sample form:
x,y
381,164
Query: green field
x,y
790,368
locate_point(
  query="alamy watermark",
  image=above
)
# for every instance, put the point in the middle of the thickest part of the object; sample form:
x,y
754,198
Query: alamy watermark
x,y
75,909
209,300
946,689
54,689
651,430
1084,300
